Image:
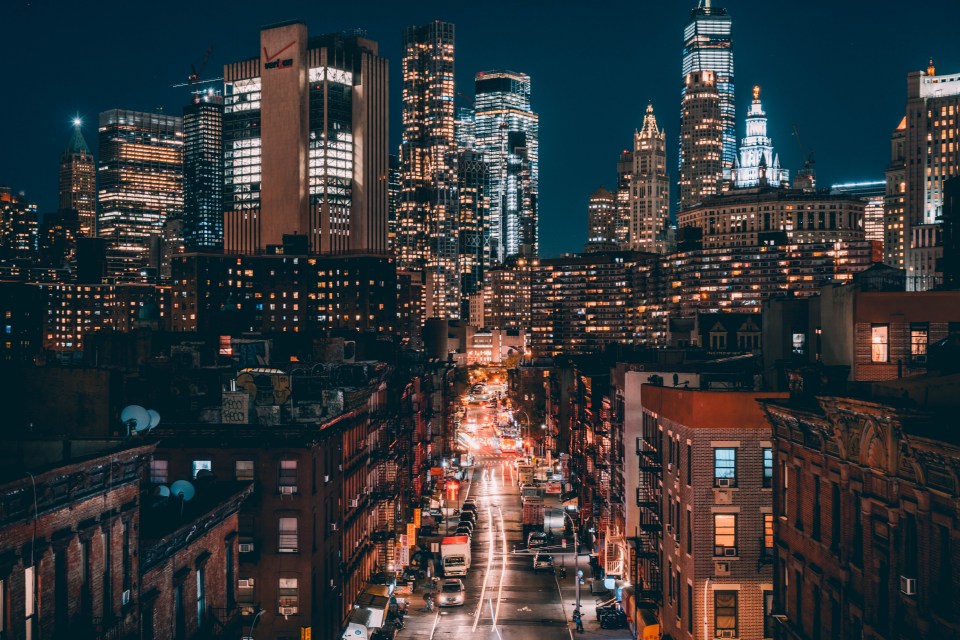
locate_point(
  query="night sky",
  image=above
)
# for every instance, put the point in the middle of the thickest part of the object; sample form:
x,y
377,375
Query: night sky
x,y
835,68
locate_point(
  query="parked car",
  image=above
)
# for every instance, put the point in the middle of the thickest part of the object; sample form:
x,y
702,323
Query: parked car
x,y
536,539
452,593
468,515
542,561
465,524
465,531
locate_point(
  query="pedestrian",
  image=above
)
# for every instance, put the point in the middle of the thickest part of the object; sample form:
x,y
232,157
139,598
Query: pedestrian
x,y
578,620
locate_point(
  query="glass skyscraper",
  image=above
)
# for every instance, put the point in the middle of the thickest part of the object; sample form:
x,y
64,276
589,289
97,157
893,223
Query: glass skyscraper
x,y
203,173
140,178
507,134
707,46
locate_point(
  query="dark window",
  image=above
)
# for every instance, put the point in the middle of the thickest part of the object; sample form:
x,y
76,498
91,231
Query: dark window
x,y
689,465
817,620
910,545
835,517
798,498
836,625
179,620
690,608
815,526
857,543
60,596
689,532
201,597
107,582
146,622
798,595
229,577
126,556
679,598
768,614
943,598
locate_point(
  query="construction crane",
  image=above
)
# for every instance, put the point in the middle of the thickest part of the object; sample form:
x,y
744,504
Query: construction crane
x,y
193,80
809,161
806,177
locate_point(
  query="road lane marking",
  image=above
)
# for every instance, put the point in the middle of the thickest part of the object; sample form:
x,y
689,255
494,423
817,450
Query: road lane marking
x,y
503,571
435,622
486,576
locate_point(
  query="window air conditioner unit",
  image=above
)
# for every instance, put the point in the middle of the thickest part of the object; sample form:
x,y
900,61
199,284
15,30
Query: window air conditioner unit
x,y
333,526
730,552
726,633
245,547
326,478
245,583
908,586
725,483
288,611
354,503
287,490
125,598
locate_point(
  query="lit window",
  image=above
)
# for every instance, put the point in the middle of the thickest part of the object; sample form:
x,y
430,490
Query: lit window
x,y
725,467
725,534
879,345
768,532
244,470
725,614
288,593
288,535
767,467
159,471
201,465
287,480
918,342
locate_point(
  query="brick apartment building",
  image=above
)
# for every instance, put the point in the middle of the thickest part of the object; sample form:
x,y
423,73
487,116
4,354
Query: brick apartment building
x,y
866,504
705,533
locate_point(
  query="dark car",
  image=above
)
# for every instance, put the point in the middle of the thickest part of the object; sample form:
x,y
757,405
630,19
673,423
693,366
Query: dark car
x,y
465,531
468,515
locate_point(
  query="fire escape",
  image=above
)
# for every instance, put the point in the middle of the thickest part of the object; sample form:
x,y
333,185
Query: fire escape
x,y
647,541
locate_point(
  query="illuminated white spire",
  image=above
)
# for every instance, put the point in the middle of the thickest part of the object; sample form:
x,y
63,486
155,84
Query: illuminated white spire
x,y
758,162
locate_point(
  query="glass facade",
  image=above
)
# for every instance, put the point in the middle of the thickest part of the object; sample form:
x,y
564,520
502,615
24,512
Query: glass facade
x,y
473,183
140,179
203,173
507,133
707,46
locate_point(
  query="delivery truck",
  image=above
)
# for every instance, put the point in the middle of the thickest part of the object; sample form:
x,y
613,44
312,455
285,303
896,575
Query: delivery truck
x,y
455,555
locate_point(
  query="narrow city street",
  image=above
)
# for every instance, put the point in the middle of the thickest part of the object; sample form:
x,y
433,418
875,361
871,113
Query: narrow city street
x,y
505,597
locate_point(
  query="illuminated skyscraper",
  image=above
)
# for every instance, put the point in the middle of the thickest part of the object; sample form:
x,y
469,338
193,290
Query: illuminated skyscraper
x,y
18,228
473,182
757,163
624,198
931,156
393,200
78,181
465,129
507,133
203,173
873,194
140,178
427,224
602,218
650,189
707,46
701,140
305,144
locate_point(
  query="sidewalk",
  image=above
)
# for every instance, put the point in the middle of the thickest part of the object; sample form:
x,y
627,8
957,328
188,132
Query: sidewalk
x,y
588,606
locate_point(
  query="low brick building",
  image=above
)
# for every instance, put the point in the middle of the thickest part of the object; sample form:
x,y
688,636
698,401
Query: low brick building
x,y
866,502
704,537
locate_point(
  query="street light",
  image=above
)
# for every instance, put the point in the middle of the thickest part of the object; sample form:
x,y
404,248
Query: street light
x,y
576,556
254,624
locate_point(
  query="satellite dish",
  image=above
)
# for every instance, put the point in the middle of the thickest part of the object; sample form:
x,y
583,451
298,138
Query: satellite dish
x,y
183,489
154,419
204,474
163,491
135,418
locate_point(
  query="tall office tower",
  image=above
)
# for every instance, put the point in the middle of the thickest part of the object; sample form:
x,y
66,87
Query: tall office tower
x,y
701,140
624,198
602,218
305,144
427,225
472,183
393,201
873,194
58,238
203,173
78,181
894,202
140,176
465,129
932,156
758,164
18,228
505,124
707,46
650,190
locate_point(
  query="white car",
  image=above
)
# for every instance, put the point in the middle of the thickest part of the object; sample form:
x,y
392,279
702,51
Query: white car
x,y
452,594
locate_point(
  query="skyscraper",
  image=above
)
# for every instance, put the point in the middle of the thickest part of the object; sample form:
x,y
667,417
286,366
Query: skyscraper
x,y
873,194
428,221
78,181
393,201
624,197
707,46
931,156
140,177
305,144
18,228
507,133
650,190
472,184
757,163
203,173
701,140
465,129
602,218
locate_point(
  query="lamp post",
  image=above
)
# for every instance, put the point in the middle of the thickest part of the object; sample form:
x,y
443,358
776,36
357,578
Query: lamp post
x,y
576,556
254,623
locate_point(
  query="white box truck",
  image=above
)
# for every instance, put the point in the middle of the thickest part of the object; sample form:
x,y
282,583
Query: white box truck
x,y
455,555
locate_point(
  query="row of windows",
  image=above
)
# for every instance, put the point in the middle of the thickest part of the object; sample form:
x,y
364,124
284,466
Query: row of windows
x,y
243,471
725,473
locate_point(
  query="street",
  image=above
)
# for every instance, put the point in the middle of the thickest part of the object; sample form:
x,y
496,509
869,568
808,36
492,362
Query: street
x,y
505,598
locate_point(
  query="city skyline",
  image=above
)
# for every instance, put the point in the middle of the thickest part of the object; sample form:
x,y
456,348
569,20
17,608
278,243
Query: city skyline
x,y
796,72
